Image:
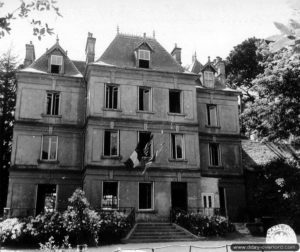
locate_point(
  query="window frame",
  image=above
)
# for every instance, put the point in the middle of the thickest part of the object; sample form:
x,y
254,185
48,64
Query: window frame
x,y
205,204
209,82
174,157
106,101
118,194
208,115
218,152
138,138
143,56
55,62
152,197
49,148
180,101
150,99
53,93
118,143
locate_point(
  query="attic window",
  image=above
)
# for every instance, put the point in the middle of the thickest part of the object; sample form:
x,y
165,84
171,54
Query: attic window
x,y
209,79
144,58
56,64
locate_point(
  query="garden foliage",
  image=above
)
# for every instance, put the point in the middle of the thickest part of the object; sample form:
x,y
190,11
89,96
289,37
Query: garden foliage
x,y
202,225
79,224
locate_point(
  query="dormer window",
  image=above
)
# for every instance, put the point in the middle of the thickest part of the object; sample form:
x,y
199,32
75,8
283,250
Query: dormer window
x,y
144,58
56,64
209,79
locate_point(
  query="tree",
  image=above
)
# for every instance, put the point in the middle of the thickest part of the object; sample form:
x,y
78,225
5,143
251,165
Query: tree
x,y
242,66
275,113
274,190
25,11
7,106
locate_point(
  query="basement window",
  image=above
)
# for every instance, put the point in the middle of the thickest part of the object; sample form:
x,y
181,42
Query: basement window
x,y
56,64
144,58
110,195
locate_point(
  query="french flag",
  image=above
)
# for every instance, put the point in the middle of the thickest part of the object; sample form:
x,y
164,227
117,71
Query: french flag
x,y
141,153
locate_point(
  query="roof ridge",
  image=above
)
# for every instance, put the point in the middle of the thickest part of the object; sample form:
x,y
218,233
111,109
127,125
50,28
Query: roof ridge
x,y
135,36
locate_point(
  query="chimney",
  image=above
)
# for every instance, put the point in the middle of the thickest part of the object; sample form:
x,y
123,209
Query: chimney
x,y
176,53
30,54
220,65
90,48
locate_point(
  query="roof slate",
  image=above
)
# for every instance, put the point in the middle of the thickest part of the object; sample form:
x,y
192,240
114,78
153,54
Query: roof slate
x,y
41,64
120,53
196,67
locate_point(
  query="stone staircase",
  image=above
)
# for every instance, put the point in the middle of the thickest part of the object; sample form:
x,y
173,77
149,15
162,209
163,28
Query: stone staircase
x,y
158,232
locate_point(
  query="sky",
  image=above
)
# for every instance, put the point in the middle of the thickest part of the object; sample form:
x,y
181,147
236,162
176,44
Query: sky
x,y
207,27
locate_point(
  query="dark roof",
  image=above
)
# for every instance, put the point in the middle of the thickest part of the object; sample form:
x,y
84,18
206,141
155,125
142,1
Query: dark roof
x,y
121,53
196,67
258,153
80,65
41,64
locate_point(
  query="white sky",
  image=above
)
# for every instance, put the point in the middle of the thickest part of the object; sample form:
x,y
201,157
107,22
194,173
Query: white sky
x,y
209,27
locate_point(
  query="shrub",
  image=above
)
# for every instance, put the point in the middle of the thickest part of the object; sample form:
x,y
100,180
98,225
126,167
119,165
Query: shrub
x,y
11,230
202,225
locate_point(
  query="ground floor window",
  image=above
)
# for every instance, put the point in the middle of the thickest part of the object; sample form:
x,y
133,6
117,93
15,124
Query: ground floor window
x,y
46,198
110,195
208,203
145,196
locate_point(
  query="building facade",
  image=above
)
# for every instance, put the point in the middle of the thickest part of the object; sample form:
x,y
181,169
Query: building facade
x,y
78,122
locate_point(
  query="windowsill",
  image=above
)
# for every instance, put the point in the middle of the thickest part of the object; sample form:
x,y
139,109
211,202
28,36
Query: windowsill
x,y
110,109
144,112
52,116
177,160
176,114
212,127
111,157
108,209
217,167
48,161
146,211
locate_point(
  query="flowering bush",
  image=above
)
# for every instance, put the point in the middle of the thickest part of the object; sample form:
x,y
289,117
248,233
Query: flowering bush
x,y
79,223
11,230
202,225
113,226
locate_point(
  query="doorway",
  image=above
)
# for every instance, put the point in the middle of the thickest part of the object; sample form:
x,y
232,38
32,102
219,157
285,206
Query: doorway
x,y
223,203
46,198
179,195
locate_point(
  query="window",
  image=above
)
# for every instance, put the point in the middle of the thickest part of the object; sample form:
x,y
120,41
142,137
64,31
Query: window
x,y
214,154
177,146
208,203
143,138
174,101
56,63
46,198
111,97
145,196
110,195
144,99
49,148
208,79
144,58
212,115
52,103
111,143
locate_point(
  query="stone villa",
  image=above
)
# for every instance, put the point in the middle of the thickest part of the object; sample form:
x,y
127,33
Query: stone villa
x,y
78,122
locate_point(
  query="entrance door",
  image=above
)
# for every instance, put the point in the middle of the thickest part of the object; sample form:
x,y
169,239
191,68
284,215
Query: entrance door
x,y
179,195
46,198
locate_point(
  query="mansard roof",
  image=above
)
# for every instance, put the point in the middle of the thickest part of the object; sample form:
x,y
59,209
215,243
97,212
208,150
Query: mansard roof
x,y
120,53
41,64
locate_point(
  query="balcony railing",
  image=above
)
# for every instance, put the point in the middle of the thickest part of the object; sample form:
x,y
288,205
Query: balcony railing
x,y
197,210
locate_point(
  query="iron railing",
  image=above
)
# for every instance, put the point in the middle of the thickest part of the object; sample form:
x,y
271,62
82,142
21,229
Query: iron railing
x,y
198,210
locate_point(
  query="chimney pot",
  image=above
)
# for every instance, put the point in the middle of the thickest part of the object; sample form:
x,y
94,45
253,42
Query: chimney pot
x,y
30,54
90,48
176,53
